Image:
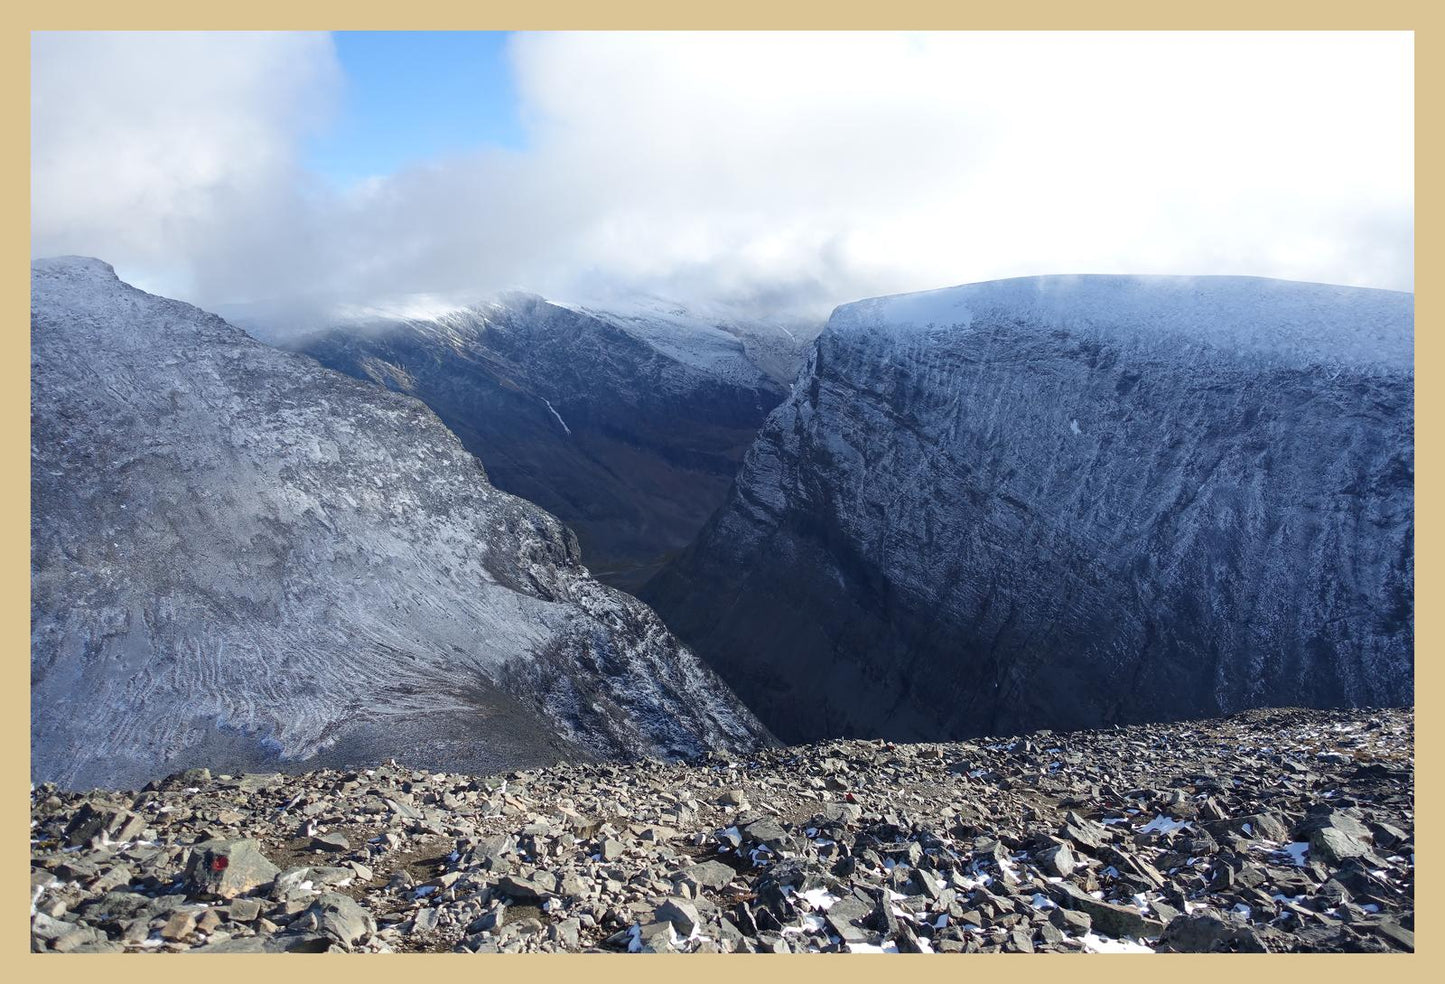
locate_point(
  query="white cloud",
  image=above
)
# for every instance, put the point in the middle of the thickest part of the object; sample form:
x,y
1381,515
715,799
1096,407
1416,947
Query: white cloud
x,y
778,168
173,154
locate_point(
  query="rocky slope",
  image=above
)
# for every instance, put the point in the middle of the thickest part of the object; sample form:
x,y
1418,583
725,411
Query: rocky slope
x,y
1070,501
1282,830
240,558
627,423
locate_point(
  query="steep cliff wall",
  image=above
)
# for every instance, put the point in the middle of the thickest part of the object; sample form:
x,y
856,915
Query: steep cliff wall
x,y
1070,501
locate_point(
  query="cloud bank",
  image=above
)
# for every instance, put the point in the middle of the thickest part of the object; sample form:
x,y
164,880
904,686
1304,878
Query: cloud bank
x,y
772,171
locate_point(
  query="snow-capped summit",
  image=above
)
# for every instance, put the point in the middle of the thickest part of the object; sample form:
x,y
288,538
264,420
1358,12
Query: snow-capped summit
x,y
76,269
1277,321
745,349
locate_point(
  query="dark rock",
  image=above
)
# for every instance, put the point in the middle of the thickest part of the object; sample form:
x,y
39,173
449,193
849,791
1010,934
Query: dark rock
x,y
1057,860
1205,932
711,874
526,889
243,910
340,918
767,831
1107,917
681,914
1336,846
331,842
228,868
1396,934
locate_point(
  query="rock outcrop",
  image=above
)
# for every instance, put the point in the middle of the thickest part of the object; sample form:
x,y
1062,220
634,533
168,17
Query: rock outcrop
x,y
241,558
1070,501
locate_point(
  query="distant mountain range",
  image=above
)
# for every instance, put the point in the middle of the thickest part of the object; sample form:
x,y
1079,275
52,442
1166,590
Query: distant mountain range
x,y
628,423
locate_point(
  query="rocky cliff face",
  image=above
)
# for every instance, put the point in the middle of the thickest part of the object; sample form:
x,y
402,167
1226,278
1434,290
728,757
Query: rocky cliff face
x,y
241,557
1067,502
628,424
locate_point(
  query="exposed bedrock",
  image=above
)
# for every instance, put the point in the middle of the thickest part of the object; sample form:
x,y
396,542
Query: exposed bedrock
x,y
1072,501
241,558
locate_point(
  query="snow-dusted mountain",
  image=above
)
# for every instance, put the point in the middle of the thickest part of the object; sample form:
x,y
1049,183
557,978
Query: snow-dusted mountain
x,y
627,423
240,557
713,338
1070,501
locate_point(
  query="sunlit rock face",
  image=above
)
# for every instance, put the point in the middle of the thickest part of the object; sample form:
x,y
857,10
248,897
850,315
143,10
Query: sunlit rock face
x,y
240,558
1070,501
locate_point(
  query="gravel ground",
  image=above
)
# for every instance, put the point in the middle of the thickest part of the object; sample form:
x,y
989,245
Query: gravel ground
x,y
1274,830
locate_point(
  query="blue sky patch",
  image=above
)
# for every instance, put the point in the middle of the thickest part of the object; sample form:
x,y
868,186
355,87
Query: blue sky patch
x,y
412,96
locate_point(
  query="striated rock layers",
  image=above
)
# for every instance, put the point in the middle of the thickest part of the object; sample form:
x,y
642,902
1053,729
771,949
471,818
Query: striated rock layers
x,y
239,557
1070,501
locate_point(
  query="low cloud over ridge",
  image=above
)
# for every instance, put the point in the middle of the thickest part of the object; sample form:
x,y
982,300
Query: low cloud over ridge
x,y
773,171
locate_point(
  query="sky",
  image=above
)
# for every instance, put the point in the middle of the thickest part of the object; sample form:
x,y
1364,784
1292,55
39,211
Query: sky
x,y
773,172
408,97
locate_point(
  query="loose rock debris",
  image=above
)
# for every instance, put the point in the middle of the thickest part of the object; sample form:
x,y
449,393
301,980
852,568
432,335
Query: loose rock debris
x,y
1277,830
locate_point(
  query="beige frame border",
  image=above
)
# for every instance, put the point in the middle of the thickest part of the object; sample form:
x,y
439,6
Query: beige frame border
x,y
738,15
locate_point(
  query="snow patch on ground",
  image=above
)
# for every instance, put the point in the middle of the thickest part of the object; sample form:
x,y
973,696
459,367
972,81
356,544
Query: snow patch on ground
x,y
1093,943
1163,825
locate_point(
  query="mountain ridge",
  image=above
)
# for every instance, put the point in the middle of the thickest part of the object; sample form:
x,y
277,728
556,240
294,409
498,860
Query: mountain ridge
x,y
233,545
629,427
